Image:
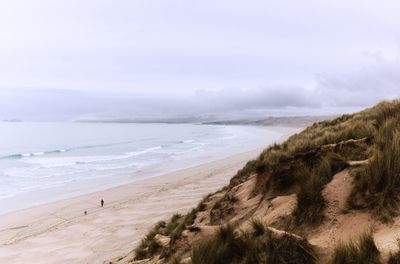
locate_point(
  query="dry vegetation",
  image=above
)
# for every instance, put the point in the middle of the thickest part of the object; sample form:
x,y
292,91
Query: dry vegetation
x,y
302,166
310,202
361,251
378,182
258,245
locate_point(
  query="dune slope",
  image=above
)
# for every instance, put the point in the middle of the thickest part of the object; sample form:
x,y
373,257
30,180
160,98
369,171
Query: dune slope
x,y
326,195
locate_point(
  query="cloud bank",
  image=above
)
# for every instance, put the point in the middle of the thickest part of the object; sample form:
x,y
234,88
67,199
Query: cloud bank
x,y
334,93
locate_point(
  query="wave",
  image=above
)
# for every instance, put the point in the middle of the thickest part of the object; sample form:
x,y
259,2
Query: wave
x,y
186,141
32,154
65,161
41,153
144,151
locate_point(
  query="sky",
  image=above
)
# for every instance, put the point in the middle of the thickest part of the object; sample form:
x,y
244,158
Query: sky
x,y
67,59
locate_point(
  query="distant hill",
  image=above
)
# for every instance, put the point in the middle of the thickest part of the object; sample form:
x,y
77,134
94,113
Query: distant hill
x,y
290,121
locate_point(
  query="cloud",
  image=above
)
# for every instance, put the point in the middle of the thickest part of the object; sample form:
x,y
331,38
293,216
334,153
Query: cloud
x,y
366,86
271,97
378,80
184,45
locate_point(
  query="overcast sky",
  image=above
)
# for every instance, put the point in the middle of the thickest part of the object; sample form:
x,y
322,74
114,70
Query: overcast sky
x,y
145,57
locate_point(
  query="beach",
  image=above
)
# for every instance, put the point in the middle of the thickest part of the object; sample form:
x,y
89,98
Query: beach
x,y
60,232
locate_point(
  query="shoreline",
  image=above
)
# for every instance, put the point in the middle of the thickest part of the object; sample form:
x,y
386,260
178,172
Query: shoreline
x,y
126,184
66,188
60,232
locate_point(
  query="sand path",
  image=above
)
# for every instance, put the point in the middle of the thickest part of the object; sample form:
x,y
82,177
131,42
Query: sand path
x,y
339,225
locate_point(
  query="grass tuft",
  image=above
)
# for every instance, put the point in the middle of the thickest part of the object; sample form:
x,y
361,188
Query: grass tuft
x,y
258,228
310,201
147,247
174,229
362,251
259,246
377,183
286,249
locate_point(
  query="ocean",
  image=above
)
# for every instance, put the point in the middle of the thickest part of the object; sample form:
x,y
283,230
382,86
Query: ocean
x,y
44,162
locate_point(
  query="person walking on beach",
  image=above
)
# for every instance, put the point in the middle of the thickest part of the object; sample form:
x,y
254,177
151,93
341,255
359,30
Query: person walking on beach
x,y
102,203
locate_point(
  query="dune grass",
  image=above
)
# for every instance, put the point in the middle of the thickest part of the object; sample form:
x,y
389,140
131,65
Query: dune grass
x,y
259,245
347,127
361,251
149,246
304,164
356,126
377,180
174,229
310,201
377,183
329,132
223,246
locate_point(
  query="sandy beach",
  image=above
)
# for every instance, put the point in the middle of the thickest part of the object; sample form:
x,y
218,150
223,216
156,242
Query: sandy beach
x,y
59,232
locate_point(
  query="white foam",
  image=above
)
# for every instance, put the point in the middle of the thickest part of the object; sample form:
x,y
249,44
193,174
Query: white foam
x,y
144,151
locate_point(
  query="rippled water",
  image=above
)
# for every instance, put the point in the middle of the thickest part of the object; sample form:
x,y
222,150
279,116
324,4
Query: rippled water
x,y
88,157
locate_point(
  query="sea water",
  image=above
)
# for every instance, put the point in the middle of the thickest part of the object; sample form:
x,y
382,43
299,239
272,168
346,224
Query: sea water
x,y
43,162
